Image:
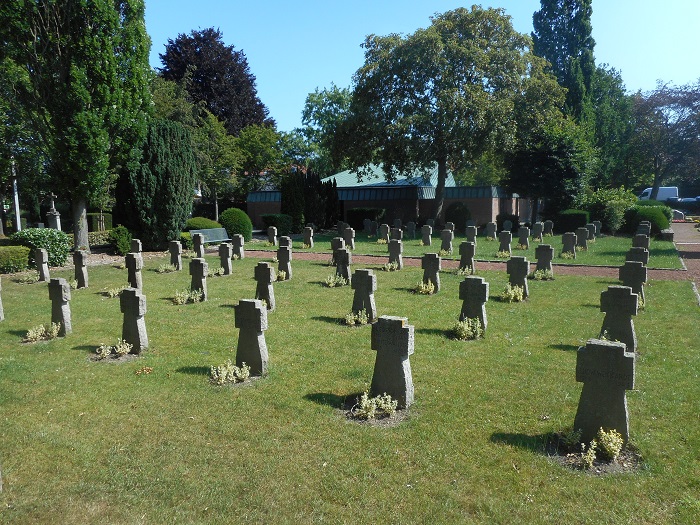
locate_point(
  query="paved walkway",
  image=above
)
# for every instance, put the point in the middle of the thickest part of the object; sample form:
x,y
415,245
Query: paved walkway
x,y
687,240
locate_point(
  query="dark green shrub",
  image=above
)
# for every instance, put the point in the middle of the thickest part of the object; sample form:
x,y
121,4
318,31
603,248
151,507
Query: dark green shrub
x,y
607,205
93,222
654,214
94,239
120,239
293,199
14,258
357,216
282,222
186,241
666,210
503,217
237,222
569,220
459,214
200,223
56,243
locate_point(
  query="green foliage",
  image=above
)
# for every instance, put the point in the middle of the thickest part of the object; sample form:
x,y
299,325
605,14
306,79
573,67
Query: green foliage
x,y
467,330
607,205
121,349
335,280
14,258
392,266
512,294
281,221
357,318
541,275
237,222
321,205
654,214
425,288
373,407
42,333
261,158
609,444
570,220
228,373
93,220
166,268
503,255
30,277
665,208
292,189
458,214
56,243
120,239
200,223
186,241
115,292
187,296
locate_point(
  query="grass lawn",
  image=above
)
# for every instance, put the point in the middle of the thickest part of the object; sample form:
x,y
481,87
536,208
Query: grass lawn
x,y
604,251
94,442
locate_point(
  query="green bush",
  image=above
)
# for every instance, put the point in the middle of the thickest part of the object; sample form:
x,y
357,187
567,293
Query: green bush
x,y
237,222
93,221
13,258
282,222
667,211
357,216
654,214
608,205
120,239
186,241
459,214
56,243
569,220
200,223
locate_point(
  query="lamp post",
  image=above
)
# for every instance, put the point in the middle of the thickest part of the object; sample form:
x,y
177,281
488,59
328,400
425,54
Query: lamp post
x,y
15,195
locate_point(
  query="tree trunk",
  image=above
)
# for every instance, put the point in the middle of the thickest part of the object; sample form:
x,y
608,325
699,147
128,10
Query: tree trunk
x,y
2,216
657,179
440,188
80,227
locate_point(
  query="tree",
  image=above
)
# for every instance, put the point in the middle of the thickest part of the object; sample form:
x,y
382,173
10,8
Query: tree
x,y
666,133
439,97
85,90
262,162
562,35
219,76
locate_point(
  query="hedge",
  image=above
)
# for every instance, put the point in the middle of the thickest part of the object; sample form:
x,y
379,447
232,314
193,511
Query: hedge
x,y
654,214
93,220
200,223
120,239
570,220
237,222
14,258
56,243
281,221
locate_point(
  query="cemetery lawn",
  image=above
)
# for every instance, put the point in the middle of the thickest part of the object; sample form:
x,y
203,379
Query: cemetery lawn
x,y
604,251
98,443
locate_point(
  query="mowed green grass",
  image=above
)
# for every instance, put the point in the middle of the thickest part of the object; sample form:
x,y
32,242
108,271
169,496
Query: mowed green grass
x,y
93,442
606,250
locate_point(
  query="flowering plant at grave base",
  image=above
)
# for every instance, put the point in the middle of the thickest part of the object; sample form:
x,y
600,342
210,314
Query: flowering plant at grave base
x,y
42,333
503,255
467,270
360,318
445,253
390,266
512,294
31,278
228,373
281,275
425,288
334,280
567,255
187,296
370,408
521,247
73,283
166,268
490,239
215,272
541,275
306,246
115,292
467,330
580,248
144,370
381,241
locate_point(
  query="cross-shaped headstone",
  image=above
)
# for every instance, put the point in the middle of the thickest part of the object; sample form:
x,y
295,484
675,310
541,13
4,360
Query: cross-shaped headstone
x,y
272,235
136,246
430,222
644,228
336,244
349,238
41,258
426,233
470,222
284,240
52,196
343,260
398,224
133,305
524,236
467,249
490,230
284,261
640,241
446,237
474,293
470,232
373,228
638,254
81,271
364,282
634,275
238,243
591,231
619,304
309,237
518,269
450,226
265,276
397,233
251,320
598,227
569,242
548,228
582,237
411,230
225,255
606,370
431,264
134,265
504,240
537,231
395,253
198,245
392,338
508,225
544,253
367,225
199,268
59,293
175,249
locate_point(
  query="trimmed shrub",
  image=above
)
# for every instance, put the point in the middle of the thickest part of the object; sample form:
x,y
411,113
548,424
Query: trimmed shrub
x,y
200,223
503,217
237,222
14,258
459,214
186,241
654,214
56,243
120,239
282,222
607,205
667,211
357,216
569,220
93,220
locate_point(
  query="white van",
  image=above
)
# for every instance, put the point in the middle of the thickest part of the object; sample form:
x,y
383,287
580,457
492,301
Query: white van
x,y
665,193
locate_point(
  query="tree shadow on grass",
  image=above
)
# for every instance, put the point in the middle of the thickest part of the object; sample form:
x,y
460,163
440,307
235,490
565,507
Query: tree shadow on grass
x,y
564,348
90,349
18,333
538,443
405,289
433,331
194,370
326,319
334,400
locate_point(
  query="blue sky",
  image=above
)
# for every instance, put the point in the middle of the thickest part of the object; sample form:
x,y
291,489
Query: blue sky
x,y
296,47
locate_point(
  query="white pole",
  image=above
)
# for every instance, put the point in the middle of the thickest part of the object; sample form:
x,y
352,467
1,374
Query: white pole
x,y
15,196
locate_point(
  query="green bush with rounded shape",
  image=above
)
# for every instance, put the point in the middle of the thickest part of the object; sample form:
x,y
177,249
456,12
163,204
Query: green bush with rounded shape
x,y
120,239
186,241
458,214
14,258
56,243
666,210
237,222
200,223
654,214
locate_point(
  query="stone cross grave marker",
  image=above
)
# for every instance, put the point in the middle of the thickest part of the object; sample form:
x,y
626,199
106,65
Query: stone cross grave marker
x,y
598,227
134,265
384,232
569,242
59,293
396,233
395,253
591,231
284,240
644,228
548,228
366,226
225,255
198,245
490,230
640,241
175,249
606,370
265,276
638,254
524,236
251,320
272,235
349,238
136,246
470,222
398,224
393,339
133,306
537,231
582,237
52,215
309,236
41,258
518,269
284,260
619,304
81,271
450,226
426,233
544,253
634,275
467,249
238,243
411,230
430,222
470,231
474,293
504,239
340,226
343,260
2,310
373,228
336,244
446,238
199,268
508,226
364,282
431,264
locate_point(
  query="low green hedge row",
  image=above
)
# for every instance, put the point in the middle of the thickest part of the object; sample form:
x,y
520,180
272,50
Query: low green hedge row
x,y
14,258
